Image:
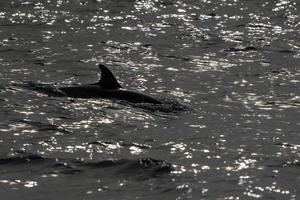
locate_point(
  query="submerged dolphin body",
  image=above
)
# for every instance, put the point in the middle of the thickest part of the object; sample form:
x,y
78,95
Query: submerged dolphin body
x,y
108,88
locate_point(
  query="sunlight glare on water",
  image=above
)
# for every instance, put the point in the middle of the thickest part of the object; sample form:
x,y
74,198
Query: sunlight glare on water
x,y
227,72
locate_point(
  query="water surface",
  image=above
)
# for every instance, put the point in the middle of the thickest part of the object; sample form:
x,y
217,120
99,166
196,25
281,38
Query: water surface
x,y
233,63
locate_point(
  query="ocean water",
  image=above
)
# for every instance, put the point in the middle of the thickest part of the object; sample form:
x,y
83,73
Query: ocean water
x,y
230,70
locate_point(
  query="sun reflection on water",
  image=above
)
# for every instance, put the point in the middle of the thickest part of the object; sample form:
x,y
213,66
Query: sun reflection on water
x,y
233,61
16,183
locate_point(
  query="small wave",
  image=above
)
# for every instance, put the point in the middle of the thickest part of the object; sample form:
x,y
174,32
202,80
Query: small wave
x,y
293,163
121,143
138,168
244,49
281,101
41,126
285,145
142,167
176,57
22,159
65,168
2,88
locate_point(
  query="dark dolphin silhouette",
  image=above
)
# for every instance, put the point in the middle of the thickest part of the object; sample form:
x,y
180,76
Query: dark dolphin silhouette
x,y
108,88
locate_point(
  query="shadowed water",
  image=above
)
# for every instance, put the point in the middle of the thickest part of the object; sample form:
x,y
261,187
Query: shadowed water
x,y
227,70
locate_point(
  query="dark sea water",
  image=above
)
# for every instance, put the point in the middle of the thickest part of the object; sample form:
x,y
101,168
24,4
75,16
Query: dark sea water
x,y
230,70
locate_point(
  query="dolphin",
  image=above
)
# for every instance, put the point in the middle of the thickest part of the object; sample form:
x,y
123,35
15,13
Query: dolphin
x,y
108,88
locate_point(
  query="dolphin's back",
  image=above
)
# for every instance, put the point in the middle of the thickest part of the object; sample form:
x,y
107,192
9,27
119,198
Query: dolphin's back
x,y
94,91
135,97
108,87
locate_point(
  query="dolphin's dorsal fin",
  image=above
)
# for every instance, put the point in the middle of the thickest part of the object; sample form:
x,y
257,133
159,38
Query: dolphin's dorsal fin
x,y
108,80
